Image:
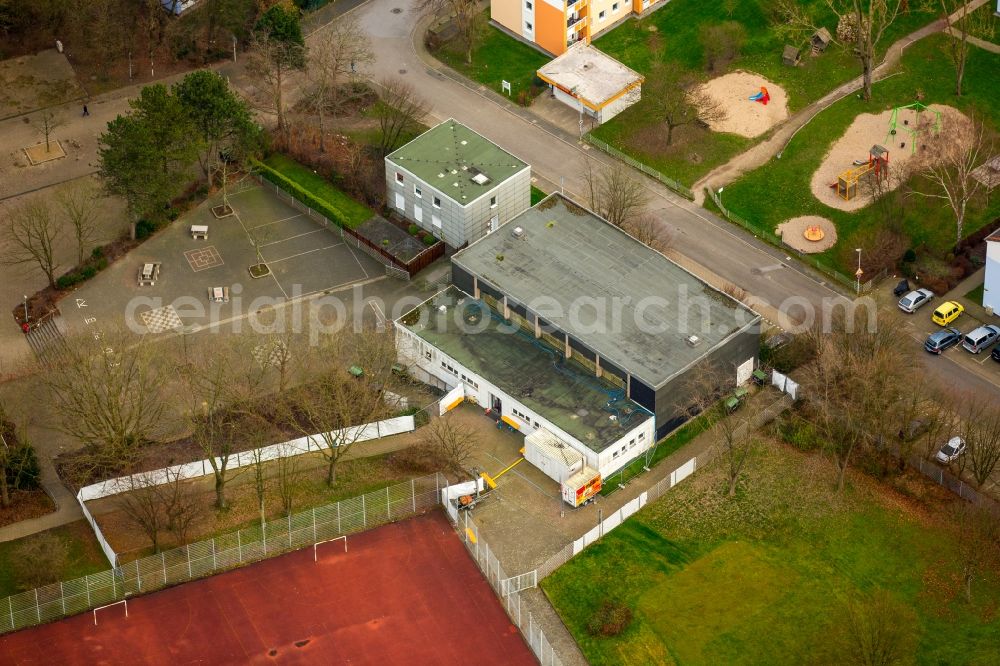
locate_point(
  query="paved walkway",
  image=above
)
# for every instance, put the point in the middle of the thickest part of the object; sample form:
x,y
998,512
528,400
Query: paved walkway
x,y
760,154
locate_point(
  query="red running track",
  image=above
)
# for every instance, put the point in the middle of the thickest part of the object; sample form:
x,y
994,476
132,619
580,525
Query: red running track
x,y
405,593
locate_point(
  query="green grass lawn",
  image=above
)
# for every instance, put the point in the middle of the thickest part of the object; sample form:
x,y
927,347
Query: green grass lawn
x,y
497,57
354,212
780,189
763,578
536,195
695,152
976,295
84,556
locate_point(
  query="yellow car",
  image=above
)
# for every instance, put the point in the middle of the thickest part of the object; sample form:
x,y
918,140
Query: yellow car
x,y
947,312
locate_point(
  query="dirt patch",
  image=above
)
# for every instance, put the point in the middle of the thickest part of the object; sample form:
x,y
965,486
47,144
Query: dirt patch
x,y
871,129
36,81
792,233
743,115
41,153
25,505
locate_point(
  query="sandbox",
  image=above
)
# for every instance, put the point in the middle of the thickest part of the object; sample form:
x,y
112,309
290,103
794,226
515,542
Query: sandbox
x,y
795,233
868,130
744,116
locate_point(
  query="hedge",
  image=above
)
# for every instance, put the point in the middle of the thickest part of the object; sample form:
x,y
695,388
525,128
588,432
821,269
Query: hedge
x,y
300,193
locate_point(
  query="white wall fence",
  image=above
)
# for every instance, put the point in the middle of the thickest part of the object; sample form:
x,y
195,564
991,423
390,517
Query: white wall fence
x,y
785,384
618,517
294,447
228,551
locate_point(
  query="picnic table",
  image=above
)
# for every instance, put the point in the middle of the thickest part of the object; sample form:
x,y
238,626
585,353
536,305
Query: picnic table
x,y
199,231
218,294
149,273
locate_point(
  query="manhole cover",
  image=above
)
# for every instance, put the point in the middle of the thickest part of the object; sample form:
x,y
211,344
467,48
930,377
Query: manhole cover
x,y
402,71
397,10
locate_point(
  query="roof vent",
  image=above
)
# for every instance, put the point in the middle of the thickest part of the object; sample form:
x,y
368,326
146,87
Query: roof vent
x,y
517,232
480,178
693,340
442,309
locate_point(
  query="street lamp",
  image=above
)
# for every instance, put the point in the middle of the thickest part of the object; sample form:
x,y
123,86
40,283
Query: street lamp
x,y
719,193
25,308
859,272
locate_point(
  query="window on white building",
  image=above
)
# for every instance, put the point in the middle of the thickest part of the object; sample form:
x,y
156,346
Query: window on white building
x,y
527,6
493,202
436,222
527,26
437,202
600,16
614,7
399,177
418,192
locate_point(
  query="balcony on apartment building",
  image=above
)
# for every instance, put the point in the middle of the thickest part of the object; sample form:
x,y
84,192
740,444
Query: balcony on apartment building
x,y
573,20
576,4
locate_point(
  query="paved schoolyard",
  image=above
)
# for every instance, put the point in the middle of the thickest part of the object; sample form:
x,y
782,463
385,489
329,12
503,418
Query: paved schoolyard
x,y
305,258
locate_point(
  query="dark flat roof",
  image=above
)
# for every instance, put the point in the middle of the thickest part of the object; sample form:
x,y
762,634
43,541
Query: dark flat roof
x,y
626,302
586,407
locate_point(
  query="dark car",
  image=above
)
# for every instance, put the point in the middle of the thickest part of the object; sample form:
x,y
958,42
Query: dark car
x,y
996,354
901,288
938,341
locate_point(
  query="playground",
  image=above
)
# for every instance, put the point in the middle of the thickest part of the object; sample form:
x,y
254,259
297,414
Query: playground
x,y
877,152
403,593
808,234
752,104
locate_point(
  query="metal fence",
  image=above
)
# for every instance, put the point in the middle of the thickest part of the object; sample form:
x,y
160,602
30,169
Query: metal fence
x,y
621,514
636,164
775,240
955,484
507,589
221,553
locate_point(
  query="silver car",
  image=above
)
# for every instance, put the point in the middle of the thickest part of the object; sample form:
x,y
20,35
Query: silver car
x,y
981,338
951,450
915,299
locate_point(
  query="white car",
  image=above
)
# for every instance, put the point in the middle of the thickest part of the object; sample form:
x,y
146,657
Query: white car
x,y
951,451
915,299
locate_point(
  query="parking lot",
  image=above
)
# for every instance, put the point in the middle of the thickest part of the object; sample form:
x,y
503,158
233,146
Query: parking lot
x,y
305,259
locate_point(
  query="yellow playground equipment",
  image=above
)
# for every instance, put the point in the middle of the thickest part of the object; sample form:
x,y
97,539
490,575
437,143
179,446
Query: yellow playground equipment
x,y
877,166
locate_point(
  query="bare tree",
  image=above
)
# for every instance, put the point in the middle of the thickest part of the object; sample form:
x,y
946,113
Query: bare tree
x,y
341,50
861,25
109,391
270,62
676,99
875,631
142,505
858,378
950,173
78,203
981,431
288,480
614,193
721,43
450,441
961,22
398,111
330,406
646,229
465,17
734,433
46,123
181,505
34,232
39,560
977,543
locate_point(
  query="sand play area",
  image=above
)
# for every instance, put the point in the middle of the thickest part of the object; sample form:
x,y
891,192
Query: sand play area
x,y
743,115
868,130
793,233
